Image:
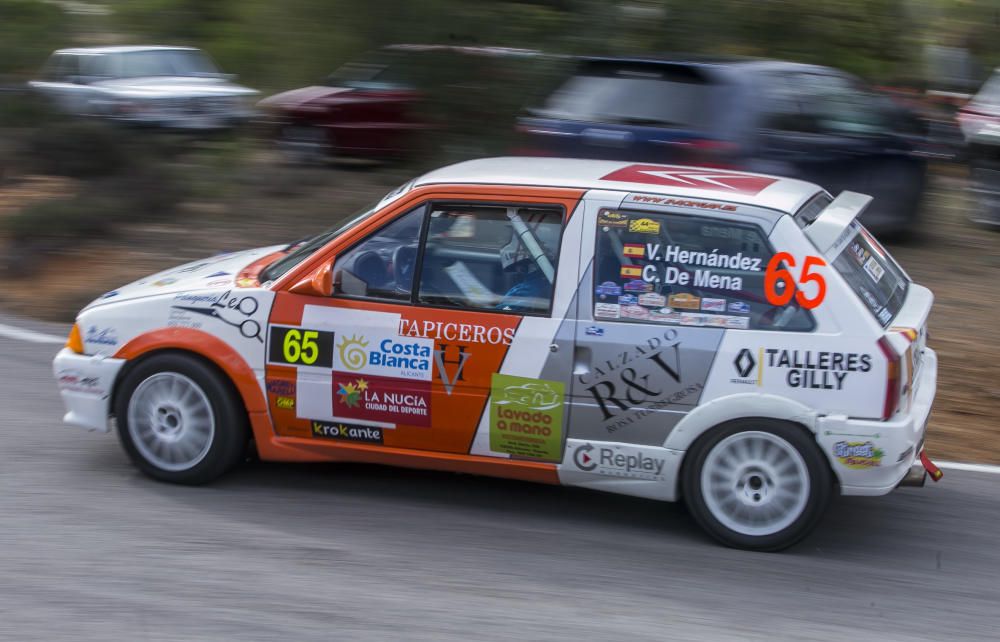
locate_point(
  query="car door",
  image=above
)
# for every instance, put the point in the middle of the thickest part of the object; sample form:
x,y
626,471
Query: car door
x,y
435,334
659,289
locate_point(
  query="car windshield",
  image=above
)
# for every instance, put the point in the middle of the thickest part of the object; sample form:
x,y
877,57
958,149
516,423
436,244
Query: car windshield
x,y
163,62
872,274
659,97
303,249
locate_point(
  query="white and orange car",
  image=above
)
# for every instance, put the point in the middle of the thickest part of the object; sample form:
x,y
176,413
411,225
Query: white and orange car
x,y
736,340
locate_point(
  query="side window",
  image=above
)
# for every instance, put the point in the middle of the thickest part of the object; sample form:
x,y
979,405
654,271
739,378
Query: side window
x,y
839,106
69,68
381,267
493,258
686,270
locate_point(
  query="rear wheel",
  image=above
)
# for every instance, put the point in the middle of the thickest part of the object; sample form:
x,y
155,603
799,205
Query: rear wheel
x,y
757,484
179,420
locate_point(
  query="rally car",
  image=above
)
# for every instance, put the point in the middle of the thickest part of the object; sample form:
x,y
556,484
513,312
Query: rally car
x,y
735,340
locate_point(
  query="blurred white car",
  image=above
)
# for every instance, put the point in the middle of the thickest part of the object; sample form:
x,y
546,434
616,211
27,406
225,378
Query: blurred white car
x,y
148,85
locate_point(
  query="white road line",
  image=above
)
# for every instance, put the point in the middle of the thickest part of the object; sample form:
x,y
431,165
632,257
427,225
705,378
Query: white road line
x,y
973,468
20,334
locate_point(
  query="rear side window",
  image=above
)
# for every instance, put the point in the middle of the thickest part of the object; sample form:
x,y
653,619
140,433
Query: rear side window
x,y
654,95
686,270
873,275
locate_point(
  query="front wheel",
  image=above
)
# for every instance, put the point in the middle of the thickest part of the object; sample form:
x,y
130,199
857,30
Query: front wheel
x,y
757,484
179,420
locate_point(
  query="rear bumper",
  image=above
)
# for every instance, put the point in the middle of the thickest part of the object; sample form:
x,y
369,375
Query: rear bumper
x,y
85,383
873,457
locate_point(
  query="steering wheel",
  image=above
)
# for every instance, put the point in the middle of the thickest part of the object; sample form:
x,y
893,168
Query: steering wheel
x,y
404,259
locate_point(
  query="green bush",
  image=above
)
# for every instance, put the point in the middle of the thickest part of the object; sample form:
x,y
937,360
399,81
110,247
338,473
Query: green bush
x,y
79,148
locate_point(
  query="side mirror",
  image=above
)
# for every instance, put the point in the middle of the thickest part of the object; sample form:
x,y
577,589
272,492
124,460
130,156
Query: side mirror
x,y
320,283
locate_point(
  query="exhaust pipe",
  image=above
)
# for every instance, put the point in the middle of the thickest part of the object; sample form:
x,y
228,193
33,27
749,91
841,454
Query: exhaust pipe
x,y
916,476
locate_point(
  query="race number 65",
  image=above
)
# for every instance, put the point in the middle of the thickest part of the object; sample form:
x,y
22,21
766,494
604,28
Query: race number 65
x,y
777,274
299,346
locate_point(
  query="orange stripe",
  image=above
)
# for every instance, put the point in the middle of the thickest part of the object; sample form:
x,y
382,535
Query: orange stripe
x,y
295,449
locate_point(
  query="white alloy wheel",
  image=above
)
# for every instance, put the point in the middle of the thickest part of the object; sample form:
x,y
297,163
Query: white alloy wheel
x,y
755,483
170,421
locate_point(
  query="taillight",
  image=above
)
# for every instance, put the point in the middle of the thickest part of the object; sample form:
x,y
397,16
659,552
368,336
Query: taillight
x,y
893,362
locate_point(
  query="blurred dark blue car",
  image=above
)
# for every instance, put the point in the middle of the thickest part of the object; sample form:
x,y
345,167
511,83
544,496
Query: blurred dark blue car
x,y
804,121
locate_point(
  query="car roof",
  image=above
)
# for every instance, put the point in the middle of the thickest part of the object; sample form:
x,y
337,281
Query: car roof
x,y
739,63
783,194
122,49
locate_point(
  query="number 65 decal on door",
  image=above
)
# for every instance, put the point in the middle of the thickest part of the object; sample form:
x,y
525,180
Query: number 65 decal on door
x,y
300,347
776,273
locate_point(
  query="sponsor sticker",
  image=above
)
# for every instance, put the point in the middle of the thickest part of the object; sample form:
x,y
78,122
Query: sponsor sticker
x,y
684,301
346,432
800,368
638,286
381,399
738,323
282,387
76,381
101,336
594,331
628,299
713,305
858,455
652,299
385,355
608,288
644,226
607,311
665,315
619,461
690,318
874,270
526,417
608,218
634,312
285,403
740,307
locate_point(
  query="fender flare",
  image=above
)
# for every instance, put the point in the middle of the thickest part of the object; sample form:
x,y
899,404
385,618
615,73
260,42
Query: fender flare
x,y
208,347
739,406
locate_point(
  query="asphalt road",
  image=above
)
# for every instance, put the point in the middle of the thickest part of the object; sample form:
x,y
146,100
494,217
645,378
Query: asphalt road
x,y
92,550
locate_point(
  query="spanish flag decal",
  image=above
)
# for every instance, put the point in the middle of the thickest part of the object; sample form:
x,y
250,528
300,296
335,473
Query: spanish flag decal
x,y
635,249
631,272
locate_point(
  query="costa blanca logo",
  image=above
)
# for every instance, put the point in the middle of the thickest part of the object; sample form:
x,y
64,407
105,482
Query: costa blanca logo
x,y
387,355
352,352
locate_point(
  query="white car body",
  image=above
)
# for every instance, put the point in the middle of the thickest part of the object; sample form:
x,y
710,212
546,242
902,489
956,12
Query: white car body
x,y
836,379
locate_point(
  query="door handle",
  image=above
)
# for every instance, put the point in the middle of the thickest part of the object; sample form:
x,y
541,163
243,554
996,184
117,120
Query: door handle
x,y
581,360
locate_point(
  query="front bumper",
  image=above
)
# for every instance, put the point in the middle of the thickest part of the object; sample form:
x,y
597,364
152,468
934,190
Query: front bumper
x,y
872,457
86,383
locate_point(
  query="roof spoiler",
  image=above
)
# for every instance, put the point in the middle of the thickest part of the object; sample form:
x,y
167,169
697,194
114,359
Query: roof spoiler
x,y
826,229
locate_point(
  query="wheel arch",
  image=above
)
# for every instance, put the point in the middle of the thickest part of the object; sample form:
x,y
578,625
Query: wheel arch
x,y
230,365
741,406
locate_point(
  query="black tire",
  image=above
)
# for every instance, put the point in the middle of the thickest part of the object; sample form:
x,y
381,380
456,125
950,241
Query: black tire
x,y
802,521
229,436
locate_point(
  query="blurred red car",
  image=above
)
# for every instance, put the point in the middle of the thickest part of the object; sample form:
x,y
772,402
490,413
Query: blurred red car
x,y
376,107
